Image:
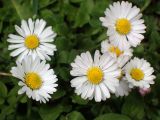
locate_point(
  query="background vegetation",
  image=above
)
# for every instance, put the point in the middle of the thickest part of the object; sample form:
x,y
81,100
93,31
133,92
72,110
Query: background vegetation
x,y
78,27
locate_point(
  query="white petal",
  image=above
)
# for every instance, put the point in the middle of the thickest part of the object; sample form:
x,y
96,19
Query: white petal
x,y
17,51
19,31
25,28
98,93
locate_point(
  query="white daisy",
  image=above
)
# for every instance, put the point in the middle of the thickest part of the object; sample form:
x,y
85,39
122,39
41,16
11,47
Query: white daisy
x,y
124,23
95,78
138,73
37,80
122,55
123,88
33,39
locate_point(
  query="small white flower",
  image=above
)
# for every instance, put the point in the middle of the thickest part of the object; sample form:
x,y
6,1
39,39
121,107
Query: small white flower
x,y
95,78
33,39
122,55
37,80
124,23
138,73
123,88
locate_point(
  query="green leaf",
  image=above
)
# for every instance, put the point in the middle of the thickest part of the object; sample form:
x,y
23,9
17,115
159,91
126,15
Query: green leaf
x,y
1,101
67,56
139,50
64,73
12,100
50,113
76,1
72,55
98,109
70,11
134,107
63,57
154,37
99,8
3,90
112,116
83,15
6,111
45,3
77,99
1,26
23,99
13,91
47,14
24,10
61,44
75,115
58,94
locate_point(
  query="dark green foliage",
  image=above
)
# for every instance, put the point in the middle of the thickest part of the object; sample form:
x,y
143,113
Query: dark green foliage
x,y
78,27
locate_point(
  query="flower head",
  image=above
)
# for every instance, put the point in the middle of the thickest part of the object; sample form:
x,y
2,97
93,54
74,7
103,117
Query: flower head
x,y
36,79
33,39
123,88
94,78
138,73
122,55
124,23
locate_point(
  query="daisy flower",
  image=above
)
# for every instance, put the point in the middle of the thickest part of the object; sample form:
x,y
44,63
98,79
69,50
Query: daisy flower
x,y
94,78
123,88
138,73
122,55
124,23
33,39
36,79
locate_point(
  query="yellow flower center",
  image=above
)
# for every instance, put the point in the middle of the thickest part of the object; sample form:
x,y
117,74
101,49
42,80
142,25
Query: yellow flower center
x,y
123,26
137,74
32,42
33,80
115,50
95,75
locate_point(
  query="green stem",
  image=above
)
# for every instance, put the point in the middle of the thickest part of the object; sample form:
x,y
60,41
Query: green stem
x,y
29,107
5,74
146,4
16,8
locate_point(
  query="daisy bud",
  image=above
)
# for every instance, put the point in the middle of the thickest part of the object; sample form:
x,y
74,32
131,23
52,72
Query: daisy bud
x,y
144,91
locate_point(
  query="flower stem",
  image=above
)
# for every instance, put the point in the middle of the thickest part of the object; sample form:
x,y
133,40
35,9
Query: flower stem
x,y
146,4
5,74
29,107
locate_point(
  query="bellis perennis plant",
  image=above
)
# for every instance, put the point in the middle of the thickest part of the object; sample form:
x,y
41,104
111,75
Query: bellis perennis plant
x,y
33,44
99,77
113,71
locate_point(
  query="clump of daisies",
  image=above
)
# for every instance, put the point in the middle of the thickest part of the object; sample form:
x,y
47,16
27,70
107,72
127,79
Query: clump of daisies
x,y
33,46
114,71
